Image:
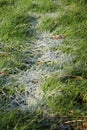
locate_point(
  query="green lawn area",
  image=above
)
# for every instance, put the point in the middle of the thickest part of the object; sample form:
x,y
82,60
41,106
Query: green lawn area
x,y
65,95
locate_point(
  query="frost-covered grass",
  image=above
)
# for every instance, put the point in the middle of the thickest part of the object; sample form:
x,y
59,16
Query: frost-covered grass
x,y
65,95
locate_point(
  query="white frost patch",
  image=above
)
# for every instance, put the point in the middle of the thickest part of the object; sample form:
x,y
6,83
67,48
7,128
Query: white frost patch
x,y
47,62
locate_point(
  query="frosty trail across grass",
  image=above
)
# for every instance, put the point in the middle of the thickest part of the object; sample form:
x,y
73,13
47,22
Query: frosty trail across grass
x,y
48,60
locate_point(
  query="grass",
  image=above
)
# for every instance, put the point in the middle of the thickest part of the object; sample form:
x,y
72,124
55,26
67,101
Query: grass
x,y
64,96
59,93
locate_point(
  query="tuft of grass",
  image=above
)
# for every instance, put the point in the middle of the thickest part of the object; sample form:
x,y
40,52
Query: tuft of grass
x,y
66,95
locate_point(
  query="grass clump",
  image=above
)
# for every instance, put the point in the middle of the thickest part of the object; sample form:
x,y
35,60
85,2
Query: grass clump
x,y
66,95
25,120
19,28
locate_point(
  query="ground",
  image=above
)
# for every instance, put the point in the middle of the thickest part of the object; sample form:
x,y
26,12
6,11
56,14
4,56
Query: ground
x,y
43,65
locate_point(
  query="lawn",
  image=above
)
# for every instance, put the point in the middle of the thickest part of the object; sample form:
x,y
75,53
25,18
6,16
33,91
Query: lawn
x,y
65,95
